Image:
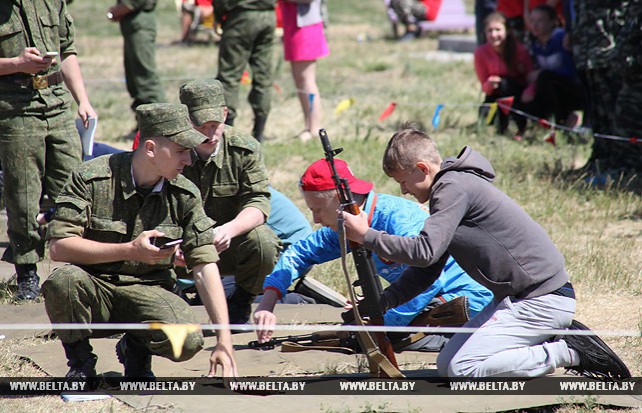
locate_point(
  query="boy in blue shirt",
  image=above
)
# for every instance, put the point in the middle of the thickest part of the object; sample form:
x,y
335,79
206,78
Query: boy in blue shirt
x,y
386,212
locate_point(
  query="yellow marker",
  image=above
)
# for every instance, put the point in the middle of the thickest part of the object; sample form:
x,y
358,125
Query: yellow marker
x,y
176,333
491,113
343,105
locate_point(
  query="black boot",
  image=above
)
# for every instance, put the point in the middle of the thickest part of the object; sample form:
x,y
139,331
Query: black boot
x,y
28,282
80,359
259,127
136,358
239,306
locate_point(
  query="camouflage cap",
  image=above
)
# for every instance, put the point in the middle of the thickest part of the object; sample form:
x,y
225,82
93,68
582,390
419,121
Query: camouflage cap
x,y
170,120
205,100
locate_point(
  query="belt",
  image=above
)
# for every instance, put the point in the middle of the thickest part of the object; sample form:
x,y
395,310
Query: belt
x,y
36,81
565,291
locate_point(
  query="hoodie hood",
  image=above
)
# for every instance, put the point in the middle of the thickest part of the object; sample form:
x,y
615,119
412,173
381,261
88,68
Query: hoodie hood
x,y
469,161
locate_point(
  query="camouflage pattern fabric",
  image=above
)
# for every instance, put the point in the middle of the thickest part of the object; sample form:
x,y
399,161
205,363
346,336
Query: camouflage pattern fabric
x,y
595,29
205,100
594,38
232,179
170,120
101,203
248,37
74,295
409,11
139,36
628,155
39,145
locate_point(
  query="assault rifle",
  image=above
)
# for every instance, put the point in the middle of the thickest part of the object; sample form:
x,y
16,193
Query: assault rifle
x,y
343,341
368,279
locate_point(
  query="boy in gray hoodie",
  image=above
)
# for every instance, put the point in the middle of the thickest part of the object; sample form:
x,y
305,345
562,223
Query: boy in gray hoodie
x,y
500,246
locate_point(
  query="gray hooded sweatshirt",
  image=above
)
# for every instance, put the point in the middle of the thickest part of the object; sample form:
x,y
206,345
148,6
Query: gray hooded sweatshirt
x,y
491,237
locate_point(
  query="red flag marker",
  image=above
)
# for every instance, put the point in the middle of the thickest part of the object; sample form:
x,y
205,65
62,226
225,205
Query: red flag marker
x,y
505,104
245,79
391,108
544,123
551,138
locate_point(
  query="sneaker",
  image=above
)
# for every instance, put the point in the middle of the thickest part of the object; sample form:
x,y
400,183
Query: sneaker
x,y
28,282
408,37
597,360
135,357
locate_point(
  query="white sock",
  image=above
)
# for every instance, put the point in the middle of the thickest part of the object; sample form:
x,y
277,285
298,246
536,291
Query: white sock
x,y
575,357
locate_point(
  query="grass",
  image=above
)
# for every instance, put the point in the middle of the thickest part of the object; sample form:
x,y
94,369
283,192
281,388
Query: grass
x,y
598,231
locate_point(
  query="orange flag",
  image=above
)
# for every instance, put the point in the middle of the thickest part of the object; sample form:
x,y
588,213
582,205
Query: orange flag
x,y
245,79
388,111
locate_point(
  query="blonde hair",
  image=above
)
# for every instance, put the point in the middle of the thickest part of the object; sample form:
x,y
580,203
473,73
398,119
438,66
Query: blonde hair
x,y
408,146
327,194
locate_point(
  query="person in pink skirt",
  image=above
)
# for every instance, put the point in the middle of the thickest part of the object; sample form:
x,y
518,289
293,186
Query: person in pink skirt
x,y
304,42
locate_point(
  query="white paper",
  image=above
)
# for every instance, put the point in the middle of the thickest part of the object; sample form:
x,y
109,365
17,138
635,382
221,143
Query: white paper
x,y
87,135
83,397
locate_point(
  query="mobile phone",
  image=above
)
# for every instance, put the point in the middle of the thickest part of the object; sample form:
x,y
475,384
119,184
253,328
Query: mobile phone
x,y
51,54
170,244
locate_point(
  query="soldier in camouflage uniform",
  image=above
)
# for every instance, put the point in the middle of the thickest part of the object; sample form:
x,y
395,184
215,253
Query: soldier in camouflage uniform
x,y
39,145
624,155
111,217
138,26
594,32
411,12
248,37
231,174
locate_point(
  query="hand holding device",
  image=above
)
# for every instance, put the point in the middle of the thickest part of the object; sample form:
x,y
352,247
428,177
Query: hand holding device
x,y
170,244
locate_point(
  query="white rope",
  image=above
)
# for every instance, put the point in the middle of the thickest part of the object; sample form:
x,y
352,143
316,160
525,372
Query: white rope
x,y
312,327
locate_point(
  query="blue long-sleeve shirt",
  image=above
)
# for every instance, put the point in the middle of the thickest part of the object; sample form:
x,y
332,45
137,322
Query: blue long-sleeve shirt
x,y
393,215
553,56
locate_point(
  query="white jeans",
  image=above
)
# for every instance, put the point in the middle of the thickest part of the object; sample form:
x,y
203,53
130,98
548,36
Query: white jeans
x,y
504,345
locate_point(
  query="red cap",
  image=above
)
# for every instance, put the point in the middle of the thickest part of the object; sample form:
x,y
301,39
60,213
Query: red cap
x,y
318,177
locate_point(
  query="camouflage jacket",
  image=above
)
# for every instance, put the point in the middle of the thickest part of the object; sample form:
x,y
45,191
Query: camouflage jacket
x,y
628,56
47,26
100,202
233,178
595,30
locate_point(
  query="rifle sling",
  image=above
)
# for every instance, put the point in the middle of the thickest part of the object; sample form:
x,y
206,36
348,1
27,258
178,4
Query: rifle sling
x,y
378,363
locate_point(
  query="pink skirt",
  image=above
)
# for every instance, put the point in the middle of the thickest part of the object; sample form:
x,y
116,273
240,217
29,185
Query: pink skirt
x,y
301,43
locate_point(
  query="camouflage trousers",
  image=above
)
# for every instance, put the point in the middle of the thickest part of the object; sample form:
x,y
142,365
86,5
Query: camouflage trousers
x,y
72,295
251,257
36,153
248,37
409,11
139,36
603,86
623,154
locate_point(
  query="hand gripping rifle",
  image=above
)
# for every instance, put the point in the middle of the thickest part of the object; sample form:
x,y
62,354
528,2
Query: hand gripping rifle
x,y
381,356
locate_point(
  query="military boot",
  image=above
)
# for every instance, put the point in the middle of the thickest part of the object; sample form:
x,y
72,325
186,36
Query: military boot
x,y
28,282
135,356
259,128
239,306
80,359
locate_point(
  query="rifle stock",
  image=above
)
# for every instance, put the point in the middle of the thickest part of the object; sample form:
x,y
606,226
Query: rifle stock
x,y
368,278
